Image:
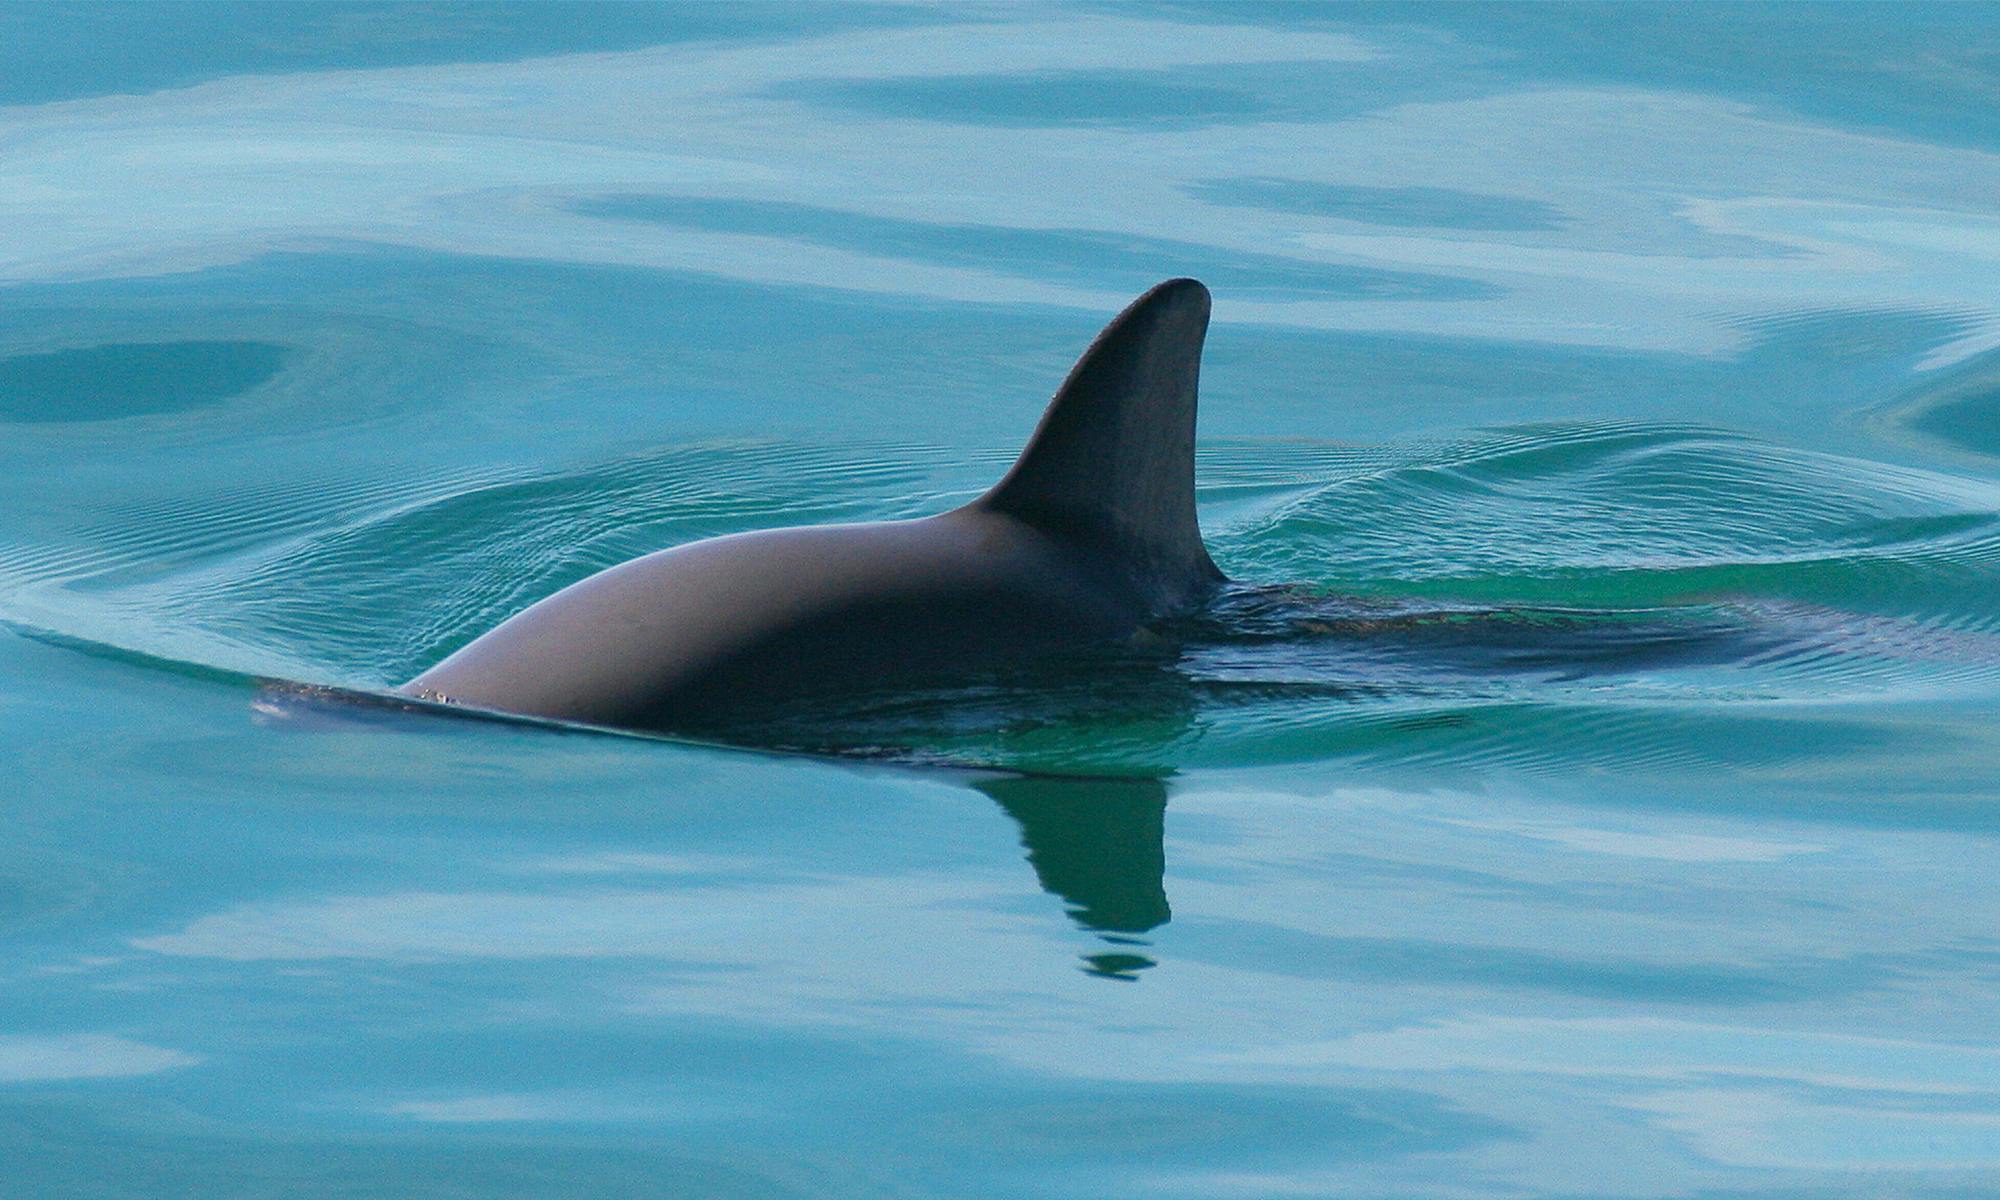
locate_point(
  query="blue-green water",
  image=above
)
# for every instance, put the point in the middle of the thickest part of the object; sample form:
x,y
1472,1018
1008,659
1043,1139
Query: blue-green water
x,y
1590,789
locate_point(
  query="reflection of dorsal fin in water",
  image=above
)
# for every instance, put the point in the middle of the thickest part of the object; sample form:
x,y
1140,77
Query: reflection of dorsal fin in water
x,y
1097,843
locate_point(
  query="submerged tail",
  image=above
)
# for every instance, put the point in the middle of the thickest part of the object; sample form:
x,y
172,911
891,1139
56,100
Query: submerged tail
x,y
1112,462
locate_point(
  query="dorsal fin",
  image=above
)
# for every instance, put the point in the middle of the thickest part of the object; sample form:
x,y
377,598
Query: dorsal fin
x,y
1112,461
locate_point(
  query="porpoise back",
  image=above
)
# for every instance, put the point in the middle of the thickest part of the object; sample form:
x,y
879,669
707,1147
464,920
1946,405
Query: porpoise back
x,y
1091,534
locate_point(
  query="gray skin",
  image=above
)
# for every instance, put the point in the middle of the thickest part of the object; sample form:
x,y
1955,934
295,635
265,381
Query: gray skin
x,y
1087,538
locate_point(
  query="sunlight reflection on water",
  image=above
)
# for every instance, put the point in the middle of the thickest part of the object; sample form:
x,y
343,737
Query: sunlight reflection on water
x,y
1587,790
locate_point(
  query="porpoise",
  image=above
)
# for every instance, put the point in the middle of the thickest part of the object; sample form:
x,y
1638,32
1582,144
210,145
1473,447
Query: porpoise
x,y
1089,536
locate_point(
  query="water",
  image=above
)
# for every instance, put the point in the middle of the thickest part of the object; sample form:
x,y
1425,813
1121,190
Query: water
x,y
1587,788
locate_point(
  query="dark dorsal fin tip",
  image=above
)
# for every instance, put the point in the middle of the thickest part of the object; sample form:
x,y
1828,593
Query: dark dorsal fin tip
x,y
1113,457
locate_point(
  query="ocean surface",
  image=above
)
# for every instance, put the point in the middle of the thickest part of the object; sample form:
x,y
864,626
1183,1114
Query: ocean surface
x,y
1589,787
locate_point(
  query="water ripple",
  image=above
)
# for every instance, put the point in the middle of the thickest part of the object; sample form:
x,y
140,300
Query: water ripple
x,y
1599,593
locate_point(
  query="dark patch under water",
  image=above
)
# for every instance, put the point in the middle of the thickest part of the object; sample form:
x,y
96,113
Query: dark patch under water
x,y
103,383
1399,207
1255,651
1963,412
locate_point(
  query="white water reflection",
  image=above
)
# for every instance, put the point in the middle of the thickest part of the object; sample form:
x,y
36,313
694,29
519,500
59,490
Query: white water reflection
x,y
1672,847
1652,1048
722,925
1297,955
1679,214
1634,971
42,1058
562,1107
1761,1128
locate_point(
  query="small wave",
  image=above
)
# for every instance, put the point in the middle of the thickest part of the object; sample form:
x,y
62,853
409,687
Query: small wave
x,y
1607,594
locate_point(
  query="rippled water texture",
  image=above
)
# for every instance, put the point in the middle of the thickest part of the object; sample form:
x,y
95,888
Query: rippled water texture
x,y
1586,788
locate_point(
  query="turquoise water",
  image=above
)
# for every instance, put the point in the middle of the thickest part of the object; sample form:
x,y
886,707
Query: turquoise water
x,y
1589,788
